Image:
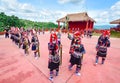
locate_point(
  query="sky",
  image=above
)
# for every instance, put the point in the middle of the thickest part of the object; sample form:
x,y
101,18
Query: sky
x,y
102,11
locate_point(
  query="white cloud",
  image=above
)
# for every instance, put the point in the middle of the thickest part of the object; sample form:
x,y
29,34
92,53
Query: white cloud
x,y
14,5
105,16
116,6
71,1
115,10
27,11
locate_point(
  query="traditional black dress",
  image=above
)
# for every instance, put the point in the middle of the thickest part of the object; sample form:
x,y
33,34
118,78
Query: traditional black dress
x,y
53,57
77,55
102,46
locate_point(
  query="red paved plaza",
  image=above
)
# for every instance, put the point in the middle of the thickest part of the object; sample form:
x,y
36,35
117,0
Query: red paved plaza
x,y
15,67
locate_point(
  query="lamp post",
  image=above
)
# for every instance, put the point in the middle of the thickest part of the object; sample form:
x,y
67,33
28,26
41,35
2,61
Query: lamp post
x,y
67,24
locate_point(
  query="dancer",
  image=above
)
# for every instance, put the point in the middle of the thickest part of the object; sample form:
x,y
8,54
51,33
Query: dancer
x,y
54,59
103,43
76,51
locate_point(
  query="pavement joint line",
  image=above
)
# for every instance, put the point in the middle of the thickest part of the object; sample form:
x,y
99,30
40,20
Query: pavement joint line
x,y
39,70
69,77
44,74
36,67
33,64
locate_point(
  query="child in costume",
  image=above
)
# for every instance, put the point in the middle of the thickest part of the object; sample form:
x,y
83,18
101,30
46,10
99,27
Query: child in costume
x,y
103,43
76,51
54,59
35,44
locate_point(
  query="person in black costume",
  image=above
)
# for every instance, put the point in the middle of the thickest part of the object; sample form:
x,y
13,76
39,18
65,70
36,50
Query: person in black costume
x,y
54,59
103,43
76,52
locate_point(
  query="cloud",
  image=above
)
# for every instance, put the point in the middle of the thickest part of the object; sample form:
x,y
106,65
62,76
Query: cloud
x,y
49,15
115,10
116,6
15,6
29,12
105,16
22,10
71,1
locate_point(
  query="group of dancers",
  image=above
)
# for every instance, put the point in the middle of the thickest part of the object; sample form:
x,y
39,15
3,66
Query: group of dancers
x,y
23,40
77,49
76,52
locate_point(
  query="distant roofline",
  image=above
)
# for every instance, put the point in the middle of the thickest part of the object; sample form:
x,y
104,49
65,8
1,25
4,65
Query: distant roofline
x,y
76,17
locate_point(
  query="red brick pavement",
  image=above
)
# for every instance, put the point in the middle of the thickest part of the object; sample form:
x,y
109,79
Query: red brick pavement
x,y
15,67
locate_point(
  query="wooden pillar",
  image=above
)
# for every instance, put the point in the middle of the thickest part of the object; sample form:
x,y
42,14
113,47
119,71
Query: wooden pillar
x,y
92,23
87,25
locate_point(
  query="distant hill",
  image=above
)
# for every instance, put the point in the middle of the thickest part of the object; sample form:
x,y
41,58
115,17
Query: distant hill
x,y
9,21
103,26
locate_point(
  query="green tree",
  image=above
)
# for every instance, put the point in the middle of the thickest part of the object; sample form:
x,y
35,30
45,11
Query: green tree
x,y
9,21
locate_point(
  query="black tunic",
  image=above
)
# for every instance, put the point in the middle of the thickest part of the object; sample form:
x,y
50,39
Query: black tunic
x,y
102,52
55,59
77,55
